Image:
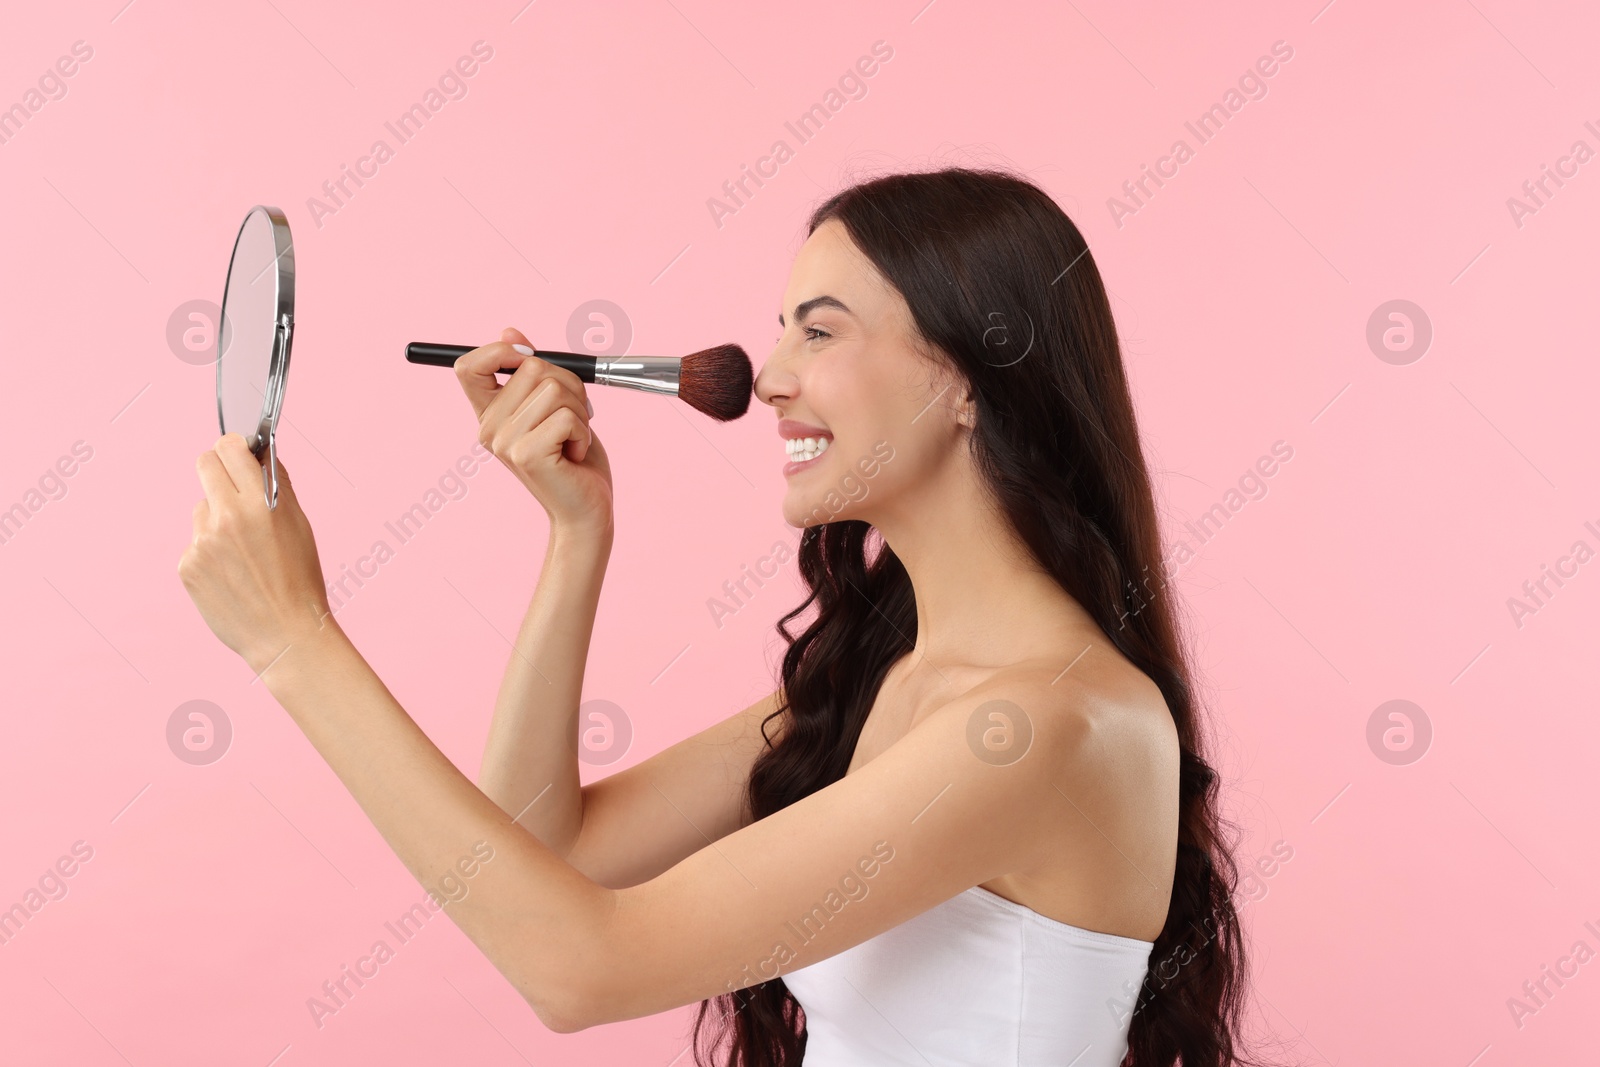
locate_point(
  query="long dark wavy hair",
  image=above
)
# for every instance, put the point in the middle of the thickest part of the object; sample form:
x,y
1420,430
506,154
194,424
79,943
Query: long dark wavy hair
x,y
1002,287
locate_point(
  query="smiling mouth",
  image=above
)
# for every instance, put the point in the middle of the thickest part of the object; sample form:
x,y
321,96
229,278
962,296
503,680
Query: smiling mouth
x,y
804,449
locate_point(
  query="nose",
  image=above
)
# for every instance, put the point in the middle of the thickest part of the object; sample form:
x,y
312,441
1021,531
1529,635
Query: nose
x,y
776,384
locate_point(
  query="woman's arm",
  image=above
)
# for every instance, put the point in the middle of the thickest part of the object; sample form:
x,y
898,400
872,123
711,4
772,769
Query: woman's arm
x,y
440,824
530,761
632,825
925,820
635,824
537,425
920,823
642,821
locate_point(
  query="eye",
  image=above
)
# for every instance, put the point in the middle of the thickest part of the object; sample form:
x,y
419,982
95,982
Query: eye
x,y
814,333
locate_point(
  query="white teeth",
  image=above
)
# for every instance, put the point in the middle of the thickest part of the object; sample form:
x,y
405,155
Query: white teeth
x,y
801,449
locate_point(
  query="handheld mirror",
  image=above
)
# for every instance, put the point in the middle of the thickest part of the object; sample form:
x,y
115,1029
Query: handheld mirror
x,y
253,342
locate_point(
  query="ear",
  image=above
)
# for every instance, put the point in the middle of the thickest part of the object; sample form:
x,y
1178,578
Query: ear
x,y
967,410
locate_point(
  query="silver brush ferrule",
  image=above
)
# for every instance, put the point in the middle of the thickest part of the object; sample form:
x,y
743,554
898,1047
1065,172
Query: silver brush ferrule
x,y
650,374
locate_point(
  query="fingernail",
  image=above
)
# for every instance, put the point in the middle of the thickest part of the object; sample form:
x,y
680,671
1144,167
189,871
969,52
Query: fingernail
x,y
524,349
590,405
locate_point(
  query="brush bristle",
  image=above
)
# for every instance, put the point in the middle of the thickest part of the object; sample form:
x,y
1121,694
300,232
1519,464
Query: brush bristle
x,y
717,381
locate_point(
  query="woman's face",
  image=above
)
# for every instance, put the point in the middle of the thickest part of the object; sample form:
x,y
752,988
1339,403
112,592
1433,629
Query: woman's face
x,y
846,371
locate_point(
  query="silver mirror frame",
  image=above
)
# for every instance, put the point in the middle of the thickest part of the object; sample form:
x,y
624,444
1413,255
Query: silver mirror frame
x,y
265,438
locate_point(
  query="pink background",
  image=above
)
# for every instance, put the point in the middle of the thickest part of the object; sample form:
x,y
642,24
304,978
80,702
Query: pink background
x,y
1419,897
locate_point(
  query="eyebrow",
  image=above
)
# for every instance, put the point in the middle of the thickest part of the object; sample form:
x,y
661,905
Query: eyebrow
x,y
806,307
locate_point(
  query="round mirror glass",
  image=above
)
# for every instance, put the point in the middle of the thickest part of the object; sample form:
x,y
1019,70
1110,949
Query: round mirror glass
x,y
253,342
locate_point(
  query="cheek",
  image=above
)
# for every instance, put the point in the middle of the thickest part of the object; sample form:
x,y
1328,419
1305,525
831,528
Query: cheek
x,y
893,458
839,393
912,460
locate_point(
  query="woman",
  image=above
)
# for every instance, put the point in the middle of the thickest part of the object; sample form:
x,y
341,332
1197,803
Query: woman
x,y
972,823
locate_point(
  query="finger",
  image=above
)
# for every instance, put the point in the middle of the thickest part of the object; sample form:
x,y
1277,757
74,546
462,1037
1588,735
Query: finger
x,y
548,441
567,433
524,383
243,467
549,399
202,517
512,335
215,479
285,485
475,371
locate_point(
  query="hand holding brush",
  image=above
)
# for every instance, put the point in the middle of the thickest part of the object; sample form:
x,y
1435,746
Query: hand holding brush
x,y
716,381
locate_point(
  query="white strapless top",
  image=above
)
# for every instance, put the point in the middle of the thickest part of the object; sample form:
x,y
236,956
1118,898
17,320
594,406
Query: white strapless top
x,y
975,980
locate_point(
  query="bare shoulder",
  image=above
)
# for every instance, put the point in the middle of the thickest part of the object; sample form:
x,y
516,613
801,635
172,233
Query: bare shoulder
x,y
1108,758
1100,730
1096,708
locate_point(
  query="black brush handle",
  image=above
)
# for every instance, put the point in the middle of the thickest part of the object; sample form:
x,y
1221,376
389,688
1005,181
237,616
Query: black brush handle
x,y
434,355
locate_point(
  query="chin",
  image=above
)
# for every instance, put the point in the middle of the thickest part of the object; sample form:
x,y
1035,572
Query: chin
x,y
795,514
812,510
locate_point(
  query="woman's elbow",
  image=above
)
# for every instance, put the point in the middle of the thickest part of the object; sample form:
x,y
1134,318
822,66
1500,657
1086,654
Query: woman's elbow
x,y
582,1003
573,1008
569,1001
582,980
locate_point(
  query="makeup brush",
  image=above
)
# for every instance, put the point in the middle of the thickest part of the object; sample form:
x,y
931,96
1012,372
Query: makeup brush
x,y
716,381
